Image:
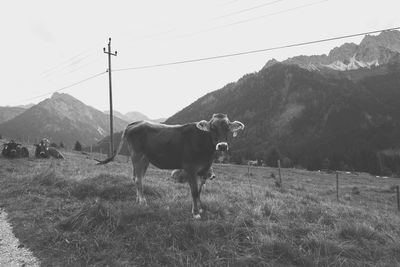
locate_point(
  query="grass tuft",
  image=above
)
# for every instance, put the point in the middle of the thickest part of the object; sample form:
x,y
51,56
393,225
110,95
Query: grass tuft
x,y
360,233
50,177
91,216
284,253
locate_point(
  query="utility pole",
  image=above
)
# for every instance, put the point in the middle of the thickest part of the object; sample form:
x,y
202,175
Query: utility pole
x,y
108,52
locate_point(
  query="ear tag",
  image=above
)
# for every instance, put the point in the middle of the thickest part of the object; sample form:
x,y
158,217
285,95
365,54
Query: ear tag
x,y
234,134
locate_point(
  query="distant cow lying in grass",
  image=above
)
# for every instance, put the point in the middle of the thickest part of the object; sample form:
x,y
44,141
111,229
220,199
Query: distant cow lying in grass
x,y
252,163
14,150
43,150
190,147
181,176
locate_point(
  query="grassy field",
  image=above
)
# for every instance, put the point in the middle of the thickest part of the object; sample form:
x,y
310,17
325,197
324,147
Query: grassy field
x,y
73,213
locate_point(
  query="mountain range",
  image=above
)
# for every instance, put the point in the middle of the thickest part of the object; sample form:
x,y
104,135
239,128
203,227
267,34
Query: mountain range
x,y
312,115
61,118
371,52
337,111
133,116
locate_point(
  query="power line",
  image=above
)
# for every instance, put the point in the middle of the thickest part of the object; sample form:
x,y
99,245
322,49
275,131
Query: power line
x,y
81,67
252,51
230,2
86,53
72,67
66,87
70,61
216,57
274,13
249,9
252,19
233,23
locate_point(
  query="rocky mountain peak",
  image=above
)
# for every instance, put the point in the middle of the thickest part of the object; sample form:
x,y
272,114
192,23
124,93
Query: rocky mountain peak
x,y
387,39
372,51
344,52
270,63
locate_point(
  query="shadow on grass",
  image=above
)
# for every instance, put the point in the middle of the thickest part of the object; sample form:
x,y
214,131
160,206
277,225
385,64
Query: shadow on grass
x,y
111,188
104,186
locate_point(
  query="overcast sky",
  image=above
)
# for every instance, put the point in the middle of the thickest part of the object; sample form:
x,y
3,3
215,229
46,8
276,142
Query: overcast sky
x,y
47,45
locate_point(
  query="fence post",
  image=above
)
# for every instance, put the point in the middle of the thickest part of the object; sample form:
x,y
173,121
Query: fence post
x,y
279,172
398,198
248,177
337,185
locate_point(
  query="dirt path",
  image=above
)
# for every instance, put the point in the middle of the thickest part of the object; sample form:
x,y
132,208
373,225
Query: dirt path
x,y
10,254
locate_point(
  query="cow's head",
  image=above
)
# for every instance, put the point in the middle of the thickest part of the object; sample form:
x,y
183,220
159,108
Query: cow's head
x,y
219,126
42,149
12,148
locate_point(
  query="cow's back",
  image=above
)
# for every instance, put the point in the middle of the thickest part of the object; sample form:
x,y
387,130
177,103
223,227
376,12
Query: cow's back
x,y
170,146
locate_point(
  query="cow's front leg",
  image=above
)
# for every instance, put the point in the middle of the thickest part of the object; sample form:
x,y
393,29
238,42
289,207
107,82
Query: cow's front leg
x,y
201,182
192,179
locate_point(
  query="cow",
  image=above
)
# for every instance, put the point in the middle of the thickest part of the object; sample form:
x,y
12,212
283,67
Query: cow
x,y
190,147
14,150
43,150
180,176
252,163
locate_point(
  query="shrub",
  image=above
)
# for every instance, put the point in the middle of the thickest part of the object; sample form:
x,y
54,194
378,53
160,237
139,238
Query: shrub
x,y
78,146
355,190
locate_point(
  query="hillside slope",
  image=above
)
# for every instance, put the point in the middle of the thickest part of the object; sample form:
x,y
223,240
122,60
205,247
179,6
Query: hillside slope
x,y
128,117
8,113
309,117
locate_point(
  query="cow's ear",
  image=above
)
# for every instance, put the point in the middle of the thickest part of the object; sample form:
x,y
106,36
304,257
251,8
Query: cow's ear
x,y
236,126
203,125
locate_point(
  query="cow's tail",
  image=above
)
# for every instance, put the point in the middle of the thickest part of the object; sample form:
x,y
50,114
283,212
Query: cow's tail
x,y
101,162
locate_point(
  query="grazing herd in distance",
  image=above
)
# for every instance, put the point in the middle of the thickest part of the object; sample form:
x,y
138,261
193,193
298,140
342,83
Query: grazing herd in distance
x,y
43,150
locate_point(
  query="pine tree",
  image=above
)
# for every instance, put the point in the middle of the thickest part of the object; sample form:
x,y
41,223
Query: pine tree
x,y
78,146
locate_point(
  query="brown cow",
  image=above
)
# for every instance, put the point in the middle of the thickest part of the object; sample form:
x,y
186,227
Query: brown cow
x,y
43,150
190,147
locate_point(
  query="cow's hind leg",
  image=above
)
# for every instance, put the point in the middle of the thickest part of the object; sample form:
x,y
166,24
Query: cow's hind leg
x,y
140,164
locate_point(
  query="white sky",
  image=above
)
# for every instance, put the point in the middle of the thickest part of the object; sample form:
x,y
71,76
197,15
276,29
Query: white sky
x,y
47,45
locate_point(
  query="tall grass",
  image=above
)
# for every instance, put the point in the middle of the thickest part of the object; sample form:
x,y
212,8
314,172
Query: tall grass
x,y
73,213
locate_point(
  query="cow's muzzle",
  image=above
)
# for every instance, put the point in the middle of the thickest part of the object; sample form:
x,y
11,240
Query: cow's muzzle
x,y
222,146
